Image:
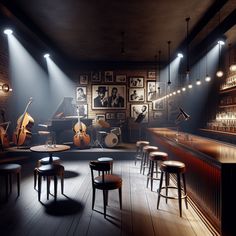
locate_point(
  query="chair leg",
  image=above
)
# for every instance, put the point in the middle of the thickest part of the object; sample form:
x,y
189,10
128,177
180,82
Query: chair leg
x,y
62,183
185,191
120,197
107,197
159,191
104,202
179,194
55,187
35,178
48,186
18,184
10,182
93,198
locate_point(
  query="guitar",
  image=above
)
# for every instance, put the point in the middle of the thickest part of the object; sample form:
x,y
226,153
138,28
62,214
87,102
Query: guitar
x,y
81,139
24,124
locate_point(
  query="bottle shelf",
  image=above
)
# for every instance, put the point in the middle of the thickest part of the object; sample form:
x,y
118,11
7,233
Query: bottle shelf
x,y
227,105
231,89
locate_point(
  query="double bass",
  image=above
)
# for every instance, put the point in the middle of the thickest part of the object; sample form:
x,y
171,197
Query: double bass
x,y
24,123
81,138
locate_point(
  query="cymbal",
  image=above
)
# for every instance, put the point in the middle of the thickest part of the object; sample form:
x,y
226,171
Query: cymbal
x,y
43,125
72,117
103,124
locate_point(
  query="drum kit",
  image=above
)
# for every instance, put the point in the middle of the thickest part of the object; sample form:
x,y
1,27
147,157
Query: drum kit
x,y
108,139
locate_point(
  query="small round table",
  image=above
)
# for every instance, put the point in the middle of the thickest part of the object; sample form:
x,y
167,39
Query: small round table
x,y
50,149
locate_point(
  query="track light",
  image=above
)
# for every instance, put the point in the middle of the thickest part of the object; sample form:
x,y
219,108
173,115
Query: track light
x,y
47,55
180,55
8,31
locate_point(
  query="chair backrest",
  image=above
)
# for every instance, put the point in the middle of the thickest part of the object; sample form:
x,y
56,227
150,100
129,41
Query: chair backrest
x,y
100,167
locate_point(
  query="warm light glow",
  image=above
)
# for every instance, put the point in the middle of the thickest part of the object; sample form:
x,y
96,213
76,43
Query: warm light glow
x,y
8,31
183,89
178,91
180,55
208,78
10,89
232,67
198,82
221,42
47,55
219,73
174,93
190,86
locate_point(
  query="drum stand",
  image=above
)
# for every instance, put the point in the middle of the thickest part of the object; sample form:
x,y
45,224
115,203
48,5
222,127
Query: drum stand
x,y
96,142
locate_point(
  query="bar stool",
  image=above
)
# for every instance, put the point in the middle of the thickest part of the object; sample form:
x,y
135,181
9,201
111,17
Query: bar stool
x,y
177,168
139,150
109,160
144,162
7,170
44,161
49,171
154,159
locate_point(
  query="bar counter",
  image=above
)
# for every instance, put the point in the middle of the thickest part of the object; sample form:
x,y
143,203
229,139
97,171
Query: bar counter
x,y
210,176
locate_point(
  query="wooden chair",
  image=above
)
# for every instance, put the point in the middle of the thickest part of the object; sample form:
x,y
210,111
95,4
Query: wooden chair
x,y
104,182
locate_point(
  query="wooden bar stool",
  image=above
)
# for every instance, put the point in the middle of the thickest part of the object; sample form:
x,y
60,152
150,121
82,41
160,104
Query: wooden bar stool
x,y
49,171
139,150
108,160
154,160
177,168
44,161
144,162
7,170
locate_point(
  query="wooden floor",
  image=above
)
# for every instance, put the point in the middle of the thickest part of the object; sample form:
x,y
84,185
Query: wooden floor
x,y
72,213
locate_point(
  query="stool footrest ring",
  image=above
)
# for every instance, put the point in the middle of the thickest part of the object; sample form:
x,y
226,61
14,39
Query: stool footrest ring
x,y
183,196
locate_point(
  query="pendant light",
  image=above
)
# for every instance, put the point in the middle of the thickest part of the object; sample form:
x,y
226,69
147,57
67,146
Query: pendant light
x,y
159,72
187,54
169,82
207,78
198,80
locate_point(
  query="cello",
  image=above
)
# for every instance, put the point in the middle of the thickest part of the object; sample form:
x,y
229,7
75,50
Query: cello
x,y
81,139
24,124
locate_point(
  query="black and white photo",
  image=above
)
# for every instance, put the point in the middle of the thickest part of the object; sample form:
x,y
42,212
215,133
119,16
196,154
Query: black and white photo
x,y
139,113
136,95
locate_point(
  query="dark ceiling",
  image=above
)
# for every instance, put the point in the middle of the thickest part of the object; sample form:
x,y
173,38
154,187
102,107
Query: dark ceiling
x,y
82,30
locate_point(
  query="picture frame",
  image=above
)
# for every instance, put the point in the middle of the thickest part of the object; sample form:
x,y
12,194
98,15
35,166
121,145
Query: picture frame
x,y
151,74
110,116
155,90
100,117
95,76
108,96
82,110
81,94
136,82
83,79
121,78
120,115
158,105
108,77
157,115
139,113
136,95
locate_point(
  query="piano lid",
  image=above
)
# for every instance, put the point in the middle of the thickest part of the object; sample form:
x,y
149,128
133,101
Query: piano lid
x,y
64,109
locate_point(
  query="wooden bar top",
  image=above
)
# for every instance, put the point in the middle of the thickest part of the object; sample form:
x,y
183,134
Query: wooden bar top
x,y
222,153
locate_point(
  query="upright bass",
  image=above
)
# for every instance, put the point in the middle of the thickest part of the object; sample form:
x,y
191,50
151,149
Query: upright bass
x,y
24,123
81,139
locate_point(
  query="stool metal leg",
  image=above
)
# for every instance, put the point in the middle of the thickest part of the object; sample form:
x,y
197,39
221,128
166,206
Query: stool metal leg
x,y
10,182
185,191
39,186
159,190
48,186
167,184
179,194
55,187
18,184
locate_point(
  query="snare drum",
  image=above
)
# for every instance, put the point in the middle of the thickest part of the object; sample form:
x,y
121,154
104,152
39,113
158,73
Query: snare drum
x,y
111,140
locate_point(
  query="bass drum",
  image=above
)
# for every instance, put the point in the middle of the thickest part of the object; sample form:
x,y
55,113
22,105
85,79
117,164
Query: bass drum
x,y
111,140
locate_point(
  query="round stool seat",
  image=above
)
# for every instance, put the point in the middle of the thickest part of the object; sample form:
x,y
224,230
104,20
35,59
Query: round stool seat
x,y
142,143
45,160
158,156
149,148
9,168
172,167
48,170
111,181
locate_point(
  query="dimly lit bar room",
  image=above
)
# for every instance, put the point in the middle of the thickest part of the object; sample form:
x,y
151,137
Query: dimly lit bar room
x,y
117,118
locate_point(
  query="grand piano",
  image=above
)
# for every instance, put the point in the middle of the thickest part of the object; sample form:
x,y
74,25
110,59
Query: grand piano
x,y
64,118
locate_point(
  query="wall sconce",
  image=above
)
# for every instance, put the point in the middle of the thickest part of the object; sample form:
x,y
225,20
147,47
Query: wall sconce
x,y
5,88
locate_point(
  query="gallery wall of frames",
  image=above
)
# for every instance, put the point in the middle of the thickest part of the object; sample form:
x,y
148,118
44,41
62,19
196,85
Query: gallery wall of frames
x,y
116,96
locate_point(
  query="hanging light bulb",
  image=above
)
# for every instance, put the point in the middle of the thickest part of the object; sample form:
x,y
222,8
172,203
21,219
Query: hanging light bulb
x,y
169,82
207,78
198,82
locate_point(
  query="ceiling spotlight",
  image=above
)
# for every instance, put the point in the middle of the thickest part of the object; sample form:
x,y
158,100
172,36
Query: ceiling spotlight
x,y
180,55
208,78
174,93
190,86
178,91
198,82
47,55
183,89
8,31
221,42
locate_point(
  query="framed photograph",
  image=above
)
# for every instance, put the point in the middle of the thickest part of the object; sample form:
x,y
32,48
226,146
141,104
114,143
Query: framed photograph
x,y
157,115
100,117
95,76
120,115
81,94
121,78
158,105
136,82
108,96
136,95
82,110
155,90
83,79
139,113
110,116
108,77
151,74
